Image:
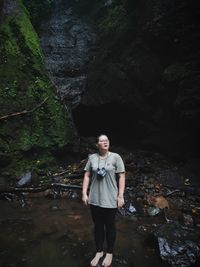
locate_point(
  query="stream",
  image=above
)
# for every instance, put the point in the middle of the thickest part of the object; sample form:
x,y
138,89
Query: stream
x,y
59,232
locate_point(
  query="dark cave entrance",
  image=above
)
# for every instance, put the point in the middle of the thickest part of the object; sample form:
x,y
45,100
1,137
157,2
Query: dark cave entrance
x,y
119,122
133,129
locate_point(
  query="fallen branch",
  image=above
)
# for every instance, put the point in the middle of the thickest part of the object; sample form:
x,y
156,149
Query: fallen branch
x,y
70,176
60,173
187,189
65,186
173,192
24,111
39,189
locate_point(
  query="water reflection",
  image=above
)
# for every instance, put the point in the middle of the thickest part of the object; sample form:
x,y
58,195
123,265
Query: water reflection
x,y
59,232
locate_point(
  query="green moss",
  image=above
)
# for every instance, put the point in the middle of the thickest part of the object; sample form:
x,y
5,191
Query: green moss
x,y
40,165
30,36
23,86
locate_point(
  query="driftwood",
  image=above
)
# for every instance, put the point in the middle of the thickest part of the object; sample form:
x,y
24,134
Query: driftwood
x,y
77,175
24,111
187,189
39,189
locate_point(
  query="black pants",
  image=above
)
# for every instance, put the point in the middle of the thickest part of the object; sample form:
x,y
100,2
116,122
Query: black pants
x,y
104,226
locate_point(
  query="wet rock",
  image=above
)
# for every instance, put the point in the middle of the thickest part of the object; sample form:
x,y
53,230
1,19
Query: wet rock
x,y
52,193
131,209
67,43
179,247
108,2
9,7
72,194
191,170
140,194
24,179
173,215
152,211
188,220
170,178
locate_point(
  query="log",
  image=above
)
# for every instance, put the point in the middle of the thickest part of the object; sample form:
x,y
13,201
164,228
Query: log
x,y
39,189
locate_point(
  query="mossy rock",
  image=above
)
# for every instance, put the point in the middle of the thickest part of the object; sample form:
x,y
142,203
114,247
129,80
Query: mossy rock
x,y
24,85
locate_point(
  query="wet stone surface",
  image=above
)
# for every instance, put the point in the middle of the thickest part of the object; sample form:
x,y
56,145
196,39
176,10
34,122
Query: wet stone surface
x,y
68,43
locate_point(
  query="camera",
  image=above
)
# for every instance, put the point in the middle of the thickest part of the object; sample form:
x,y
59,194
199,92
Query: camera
x,y
101,172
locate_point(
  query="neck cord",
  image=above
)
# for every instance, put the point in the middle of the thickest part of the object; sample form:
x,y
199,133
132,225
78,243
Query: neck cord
x,y
105,160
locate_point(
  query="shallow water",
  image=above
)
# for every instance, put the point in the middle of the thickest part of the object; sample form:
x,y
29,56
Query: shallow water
x,y
59,232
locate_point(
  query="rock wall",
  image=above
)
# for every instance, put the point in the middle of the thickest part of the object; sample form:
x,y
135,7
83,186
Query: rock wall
x,y
145,75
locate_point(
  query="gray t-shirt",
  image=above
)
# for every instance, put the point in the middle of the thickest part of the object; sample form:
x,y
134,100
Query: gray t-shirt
x,y
104,191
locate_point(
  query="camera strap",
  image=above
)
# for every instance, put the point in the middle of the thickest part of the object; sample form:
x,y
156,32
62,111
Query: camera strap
x,y
103,159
